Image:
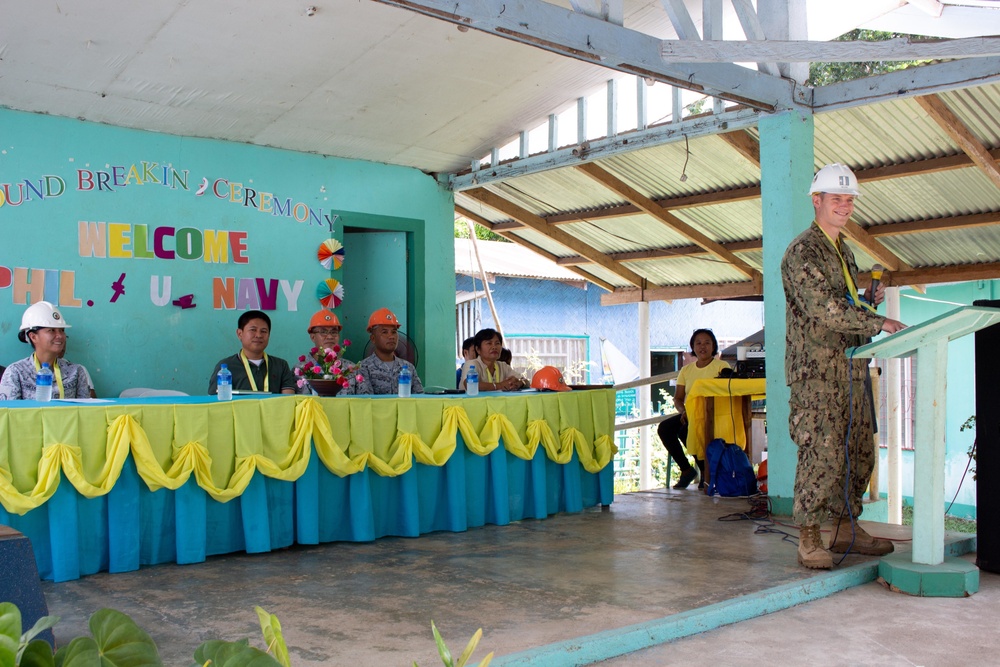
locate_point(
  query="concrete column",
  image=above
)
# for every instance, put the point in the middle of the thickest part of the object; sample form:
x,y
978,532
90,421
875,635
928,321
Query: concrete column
x,y
786,171
645,459
894,422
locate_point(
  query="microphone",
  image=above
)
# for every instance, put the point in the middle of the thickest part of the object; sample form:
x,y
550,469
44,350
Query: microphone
x,y
876,277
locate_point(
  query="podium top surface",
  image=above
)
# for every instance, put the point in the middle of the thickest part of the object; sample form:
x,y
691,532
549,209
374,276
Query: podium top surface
x,y
949,326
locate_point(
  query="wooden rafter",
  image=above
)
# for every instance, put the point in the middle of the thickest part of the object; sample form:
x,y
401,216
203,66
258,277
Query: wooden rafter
x,y
957,130
935,224
479,220
745,144
706,291
647,205
538,224
874,247
942,274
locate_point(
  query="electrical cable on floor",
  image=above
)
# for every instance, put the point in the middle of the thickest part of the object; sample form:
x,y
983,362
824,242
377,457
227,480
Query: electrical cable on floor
x,y
760,514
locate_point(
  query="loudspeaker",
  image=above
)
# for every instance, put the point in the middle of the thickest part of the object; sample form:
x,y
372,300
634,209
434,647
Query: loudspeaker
x,y
19,582
988,444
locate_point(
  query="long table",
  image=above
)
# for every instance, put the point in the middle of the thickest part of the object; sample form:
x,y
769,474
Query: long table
x,y
178,480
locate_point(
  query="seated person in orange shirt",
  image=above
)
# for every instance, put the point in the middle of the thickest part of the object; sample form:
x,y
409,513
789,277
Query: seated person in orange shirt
x,y
673,430
494,375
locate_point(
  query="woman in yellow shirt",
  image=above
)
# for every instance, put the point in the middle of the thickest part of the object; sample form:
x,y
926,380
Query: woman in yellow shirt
x,y
673,430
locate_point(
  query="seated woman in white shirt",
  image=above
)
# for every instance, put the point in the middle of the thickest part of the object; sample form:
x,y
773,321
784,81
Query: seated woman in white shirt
x,y
494,375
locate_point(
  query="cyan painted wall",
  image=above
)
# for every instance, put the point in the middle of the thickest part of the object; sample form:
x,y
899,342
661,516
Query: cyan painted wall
x,y
547,307
82,204
960,394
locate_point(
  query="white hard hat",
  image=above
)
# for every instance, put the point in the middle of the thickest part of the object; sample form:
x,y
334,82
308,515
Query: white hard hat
x,y
835,179
41,315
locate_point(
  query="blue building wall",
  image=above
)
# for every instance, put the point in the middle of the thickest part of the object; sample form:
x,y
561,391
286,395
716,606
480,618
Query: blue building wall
x,y
543,307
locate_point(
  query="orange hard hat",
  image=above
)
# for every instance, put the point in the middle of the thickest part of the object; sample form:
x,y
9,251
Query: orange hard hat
x,y
550,378
323,318
382,317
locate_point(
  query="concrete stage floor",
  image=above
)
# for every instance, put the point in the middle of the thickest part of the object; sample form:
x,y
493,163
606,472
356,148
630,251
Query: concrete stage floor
x,y
573,589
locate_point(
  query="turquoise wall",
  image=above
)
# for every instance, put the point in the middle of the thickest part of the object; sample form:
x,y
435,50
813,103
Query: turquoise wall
x,y
232,225
961,390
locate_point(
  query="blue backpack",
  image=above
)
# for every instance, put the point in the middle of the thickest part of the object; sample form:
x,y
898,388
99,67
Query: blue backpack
x,y
729,470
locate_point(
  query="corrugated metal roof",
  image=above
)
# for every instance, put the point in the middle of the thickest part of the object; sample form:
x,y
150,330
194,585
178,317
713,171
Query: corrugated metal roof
x,y
507,259
897,132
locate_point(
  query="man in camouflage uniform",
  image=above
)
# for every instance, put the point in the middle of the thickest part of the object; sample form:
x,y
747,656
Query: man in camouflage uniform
x,y
824,317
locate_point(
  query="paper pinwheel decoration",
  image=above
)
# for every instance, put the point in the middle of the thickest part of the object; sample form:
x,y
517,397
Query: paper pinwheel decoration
x,y
330,293
331,254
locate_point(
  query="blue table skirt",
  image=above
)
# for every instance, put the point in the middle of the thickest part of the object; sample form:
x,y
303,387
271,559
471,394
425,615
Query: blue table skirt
x,y
74,536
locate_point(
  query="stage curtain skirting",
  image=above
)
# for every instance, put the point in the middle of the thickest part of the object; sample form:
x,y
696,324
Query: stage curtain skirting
x,y
153,481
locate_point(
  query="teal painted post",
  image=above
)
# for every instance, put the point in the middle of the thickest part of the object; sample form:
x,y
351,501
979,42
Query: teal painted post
x,y
786,171
928,454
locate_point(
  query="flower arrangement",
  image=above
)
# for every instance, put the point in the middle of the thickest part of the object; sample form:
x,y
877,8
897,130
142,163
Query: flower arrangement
x,y
325,364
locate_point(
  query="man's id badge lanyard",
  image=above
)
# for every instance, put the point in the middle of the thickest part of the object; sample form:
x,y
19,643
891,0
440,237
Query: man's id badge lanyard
x,y
852,289
253,383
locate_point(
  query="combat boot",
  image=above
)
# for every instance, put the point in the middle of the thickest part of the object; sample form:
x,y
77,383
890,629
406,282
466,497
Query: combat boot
x,y
811,551
841,536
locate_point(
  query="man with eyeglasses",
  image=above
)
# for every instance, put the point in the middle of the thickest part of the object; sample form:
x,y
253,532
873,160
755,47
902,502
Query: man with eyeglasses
x,y
324,329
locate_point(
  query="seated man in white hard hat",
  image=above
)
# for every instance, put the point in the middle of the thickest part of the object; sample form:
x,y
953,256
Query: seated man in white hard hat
x,y
380,371
44,327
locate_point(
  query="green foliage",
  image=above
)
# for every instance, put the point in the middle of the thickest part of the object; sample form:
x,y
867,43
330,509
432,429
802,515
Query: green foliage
x,y
463,659
218,653
271,629
483,234
822,74
970,424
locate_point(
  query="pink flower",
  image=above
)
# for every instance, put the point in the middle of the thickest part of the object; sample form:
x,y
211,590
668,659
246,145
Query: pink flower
x,y
297,371
343,382
302,358
336,348
346,342
300,383
317,369
330,355
359,378
314,350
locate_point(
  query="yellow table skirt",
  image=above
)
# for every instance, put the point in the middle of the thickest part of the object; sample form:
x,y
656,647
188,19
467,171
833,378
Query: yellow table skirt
x,y
726,414
222,444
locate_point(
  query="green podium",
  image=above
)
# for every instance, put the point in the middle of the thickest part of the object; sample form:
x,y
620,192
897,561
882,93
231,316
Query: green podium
x,y
927,572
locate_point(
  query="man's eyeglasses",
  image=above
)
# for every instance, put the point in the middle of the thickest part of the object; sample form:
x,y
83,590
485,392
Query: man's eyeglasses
x,y
326,332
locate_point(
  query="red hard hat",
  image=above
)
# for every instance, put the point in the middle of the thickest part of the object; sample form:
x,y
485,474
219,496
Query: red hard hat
x,y
382,317
323,318
549,377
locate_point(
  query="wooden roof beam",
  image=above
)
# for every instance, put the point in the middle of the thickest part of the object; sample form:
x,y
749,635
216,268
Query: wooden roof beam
x,y
745,144
706,291
619,187
939,274
538,224
874,247
957,130
479,220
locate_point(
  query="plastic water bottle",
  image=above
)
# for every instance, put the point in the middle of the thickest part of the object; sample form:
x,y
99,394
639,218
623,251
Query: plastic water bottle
x,y
405,380
224,382
472,381
43,383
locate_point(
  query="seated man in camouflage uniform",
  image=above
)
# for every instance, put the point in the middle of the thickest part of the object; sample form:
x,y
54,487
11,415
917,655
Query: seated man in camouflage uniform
x,y
380,370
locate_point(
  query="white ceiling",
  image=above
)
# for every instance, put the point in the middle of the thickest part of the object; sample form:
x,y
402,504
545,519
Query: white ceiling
x,y
354,79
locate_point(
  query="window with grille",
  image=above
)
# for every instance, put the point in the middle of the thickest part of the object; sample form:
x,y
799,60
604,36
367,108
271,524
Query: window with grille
x,y
567,353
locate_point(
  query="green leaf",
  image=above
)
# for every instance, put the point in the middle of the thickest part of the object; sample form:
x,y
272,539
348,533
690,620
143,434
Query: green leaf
x,y
121,642
469,648
271,627
10,633
37,654
81,652
442,647
40,626
233,654
486,661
